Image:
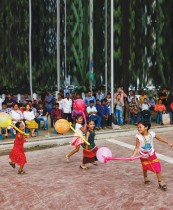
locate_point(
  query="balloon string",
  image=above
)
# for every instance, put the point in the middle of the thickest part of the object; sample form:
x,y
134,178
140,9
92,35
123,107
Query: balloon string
x,y
106,159
26,134
79,135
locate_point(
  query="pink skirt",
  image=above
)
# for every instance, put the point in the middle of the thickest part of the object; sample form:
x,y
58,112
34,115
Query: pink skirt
x,y
76,141
151,163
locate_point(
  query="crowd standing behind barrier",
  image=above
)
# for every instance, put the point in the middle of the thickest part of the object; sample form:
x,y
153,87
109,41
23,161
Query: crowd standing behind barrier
x,y
128,108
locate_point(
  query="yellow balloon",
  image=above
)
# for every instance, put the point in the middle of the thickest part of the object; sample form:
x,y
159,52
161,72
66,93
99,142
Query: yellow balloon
x,y
5,120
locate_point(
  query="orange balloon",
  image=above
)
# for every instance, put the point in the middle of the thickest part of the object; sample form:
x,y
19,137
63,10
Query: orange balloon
x,y
62,126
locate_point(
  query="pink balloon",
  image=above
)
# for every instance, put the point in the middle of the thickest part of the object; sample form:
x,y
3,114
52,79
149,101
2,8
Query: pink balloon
x,y
103,153
79,105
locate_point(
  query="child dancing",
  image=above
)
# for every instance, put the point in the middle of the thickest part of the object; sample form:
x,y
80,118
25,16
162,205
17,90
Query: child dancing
x,y
144,144
89,151
17,154
77,141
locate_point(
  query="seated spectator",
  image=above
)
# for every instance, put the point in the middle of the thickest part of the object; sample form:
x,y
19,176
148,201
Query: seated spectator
x,y
16,114
10,101
21,107
142,97
151,101
6,110
1,101
93,114
163,95
103,112
98,103
159,108
56,113
131,96
134,111
145,110
42,115
119,104
26,99
29,118
33,107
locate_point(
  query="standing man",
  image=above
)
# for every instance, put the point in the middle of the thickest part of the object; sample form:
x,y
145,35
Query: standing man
x,y
67,106
163,95
89,98
49,103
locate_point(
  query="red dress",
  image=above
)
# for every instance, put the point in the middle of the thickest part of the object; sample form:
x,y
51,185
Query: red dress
x,y
17,154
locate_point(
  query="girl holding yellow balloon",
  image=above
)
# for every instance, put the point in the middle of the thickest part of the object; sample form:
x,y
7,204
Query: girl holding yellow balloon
x,y
77,141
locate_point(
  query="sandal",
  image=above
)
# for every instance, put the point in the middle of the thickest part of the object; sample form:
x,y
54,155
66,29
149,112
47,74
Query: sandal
x,y
95,164
147,181
67,158
21,172
12,164
163,187
83,167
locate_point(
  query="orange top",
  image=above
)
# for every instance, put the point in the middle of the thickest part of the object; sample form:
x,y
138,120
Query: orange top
x,y
171,106
160,108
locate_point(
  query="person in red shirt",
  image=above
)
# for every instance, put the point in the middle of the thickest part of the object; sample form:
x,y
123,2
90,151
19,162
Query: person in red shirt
x,y
57,113
159,108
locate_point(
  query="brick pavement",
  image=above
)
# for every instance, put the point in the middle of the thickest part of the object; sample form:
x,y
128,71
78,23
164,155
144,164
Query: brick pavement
x,y
52,183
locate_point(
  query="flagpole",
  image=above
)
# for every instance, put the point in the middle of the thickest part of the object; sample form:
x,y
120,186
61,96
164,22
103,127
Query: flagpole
x,y
106,46
112,57
30,49
58,44
65,39
91,64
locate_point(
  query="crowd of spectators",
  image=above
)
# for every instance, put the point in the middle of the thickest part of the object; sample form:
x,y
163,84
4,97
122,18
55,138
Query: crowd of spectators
x,y
128,108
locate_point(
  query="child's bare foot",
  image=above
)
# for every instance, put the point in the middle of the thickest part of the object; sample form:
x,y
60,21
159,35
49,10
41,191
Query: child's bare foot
x,y
67,158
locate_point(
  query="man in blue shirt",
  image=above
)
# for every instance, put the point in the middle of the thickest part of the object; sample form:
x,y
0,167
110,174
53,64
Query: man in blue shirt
x,y
103,112
89,98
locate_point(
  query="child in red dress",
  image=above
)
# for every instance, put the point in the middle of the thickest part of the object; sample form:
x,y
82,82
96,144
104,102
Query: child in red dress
x,y
17,154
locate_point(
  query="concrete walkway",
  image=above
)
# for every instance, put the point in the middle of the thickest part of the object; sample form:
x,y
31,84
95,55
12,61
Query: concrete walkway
x,y
49,139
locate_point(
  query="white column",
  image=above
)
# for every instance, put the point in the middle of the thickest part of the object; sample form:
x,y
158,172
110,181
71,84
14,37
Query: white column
x,y
91,64
106,46
58,44
30,48
112,56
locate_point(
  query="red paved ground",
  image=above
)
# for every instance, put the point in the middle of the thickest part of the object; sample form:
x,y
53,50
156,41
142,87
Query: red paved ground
x,y
52,183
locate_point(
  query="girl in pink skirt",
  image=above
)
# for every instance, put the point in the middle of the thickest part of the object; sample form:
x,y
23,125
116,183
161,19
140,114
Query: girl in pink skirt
x,y
144,144
77,141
